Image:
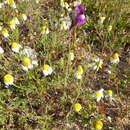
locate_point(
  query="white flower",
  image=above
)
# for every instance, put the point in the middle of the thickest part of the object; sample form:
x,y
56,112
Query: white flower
x,y
110,94
1,50
101,19
45,30
47,70
71,56
98,64
5,32
16,47
8,79
109,28
12,24
16,21
78,75
99,95
115,58
64,25
24,16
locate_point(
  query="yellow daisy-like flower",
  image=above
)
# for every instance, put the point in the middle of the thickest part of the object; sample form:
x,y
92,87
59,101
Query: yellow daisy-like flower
x,y
47,70
98,64
16,47
115,58
79,75
8,79
12,24
24,16
109,28
26,61
99,95
12,3
16,21
98,125
77,107
45,30
5,32
71,55
64,25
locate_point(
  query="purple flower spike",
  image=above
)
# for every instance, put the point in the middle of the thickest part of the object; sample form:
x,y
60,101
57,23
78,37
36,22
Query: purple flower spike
x,y
81,19
79,8
25,28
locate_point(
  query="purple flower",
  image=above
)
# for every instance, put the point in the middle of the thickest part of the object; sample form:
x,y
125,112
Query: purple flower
x,y
80,19
25,28
79,8
29,17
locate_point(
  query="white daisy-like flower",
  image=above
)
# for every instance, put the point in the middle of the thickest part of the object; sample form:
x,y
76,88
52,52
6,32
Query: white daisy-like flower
x,y
16,21
62,3
1,50
24,16
12,24
8,79
45,30
99,95
101,19
98,64
109,94
109,28
4,32
0,28
16,47
78,75
47,70
71,56
115,58
26,64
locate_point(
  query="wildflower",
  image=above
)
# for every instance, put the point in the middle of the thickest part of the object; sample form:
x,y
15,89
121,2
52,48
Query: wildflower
x,y
109,28
5,32
8,79
16,46
98,64
47,70
79,8
109,94
98,125
12,24
12,3
115,58
62,3
78,75
99,95
101,19
77,107
24,16
45,30
6,1
0,27
1,50
16,21
78,2
80,69
25,28
37,1
71,56
27,63
64,25
80,19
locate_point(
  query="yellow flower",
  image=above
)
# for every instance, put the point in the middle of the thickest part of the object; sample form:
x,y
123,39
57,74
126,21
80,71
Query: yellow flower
x,y
98,125
5,32
8,79
80,69
109,28
24,16
71,56
26,61
109,92
79,75
115,56
77,107
102,18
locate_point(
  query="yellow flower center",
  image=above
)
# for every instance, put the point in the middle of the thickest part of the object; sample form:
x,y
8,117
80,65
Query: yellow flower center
x,y
71,54
80,69
26,61
8,78
109,92
11,2
46,67
99,64
115,56
77,107
98,94
4,30
24,15
98,125
44,28
15,45
79,73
